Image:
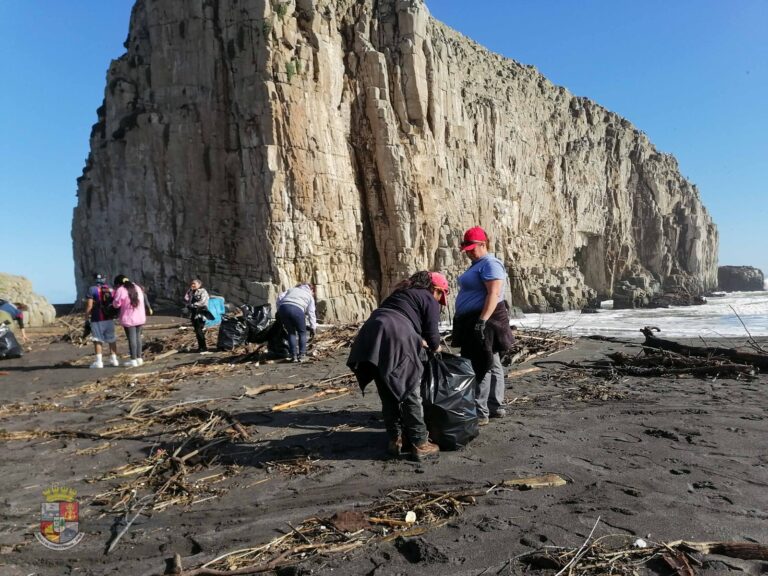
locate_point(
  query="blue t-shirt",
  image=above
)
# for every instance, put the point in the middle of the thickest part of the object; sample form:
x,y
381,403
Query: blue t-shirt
x,y
472,290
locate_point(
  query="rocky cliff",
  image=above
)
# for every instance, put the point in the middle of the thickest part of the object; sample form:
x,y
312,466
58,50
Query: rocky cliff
x,y
257,143
740,278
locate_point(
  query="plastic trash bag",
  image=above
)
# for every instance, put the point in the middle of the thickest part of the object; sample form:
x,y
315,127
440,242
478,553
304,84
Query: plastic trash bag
x,y
9,346
216,310
259,321
277,341
232,333
448,395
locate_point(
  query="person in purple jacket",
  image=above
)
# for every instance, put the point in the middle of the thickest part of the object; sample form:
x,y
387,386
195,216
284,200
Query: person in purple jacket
x,y
388,349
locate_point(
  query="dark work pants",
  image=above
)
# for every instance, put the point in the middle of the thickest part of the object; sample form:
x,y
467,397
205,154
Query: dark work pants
x,y
406,416
292,318
198,323
133,333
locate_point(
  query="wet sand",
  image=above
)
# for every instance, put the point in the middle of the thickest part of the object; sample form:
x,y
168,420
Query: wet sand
x,y
658,458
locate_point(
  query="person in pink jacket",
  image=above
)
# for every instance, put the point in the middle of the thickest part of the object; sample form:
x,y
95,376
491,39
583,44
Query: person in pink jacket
x,y
129,299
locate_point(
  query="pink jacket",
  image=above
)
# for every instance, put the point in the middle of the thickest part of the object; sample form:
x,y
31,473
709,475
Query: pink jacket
x,y
128,315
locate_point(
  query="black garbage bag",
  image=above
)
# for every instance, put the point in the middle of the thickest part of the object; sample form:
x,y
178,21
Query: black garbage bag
x,y
9,346
277,341
259,321
232,333
448,395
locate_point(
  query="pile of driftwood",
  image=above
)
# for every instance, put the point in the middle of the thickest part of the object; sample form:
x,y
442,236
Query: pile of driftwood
x,y
631,556
402,513
328,341
184,475
535,343
660,357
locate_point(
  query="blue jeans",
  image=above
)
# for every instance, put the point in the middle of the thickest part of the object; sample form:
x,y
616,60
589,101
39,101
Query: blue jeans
x,y
292,318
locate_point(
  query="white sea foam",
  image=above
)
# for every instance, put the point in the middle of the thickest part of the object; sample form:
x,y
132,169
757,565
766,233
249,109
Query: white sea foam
x,y
714,319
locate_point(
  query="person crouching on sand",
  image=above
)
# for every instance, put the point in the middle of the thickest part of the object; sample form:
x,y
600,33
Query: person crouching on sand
x,y
388,351
294,307
130,301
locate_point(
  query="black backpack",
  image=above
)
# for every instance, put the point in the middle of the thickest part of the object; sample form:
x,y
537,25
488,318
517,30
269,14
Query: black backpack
x,y
105,302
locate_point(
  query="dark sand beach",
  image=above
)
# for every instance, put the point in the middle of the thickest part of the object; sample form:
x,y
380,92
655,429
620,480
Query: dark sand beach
x,y
659,458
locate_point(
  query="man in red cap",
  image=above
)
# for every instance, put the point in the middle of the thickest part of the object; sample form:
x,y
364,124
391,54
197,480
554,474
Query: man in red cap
x,y
481,325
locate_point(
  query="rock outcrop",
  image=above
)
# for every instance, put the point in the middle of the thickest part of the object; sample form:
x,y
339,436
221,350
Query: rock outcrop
x,y
257,143
18,290
740,279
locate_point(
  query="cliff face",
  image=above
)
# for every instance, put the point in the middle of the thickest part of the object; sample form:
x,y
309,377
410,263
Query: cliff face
x,y
350,143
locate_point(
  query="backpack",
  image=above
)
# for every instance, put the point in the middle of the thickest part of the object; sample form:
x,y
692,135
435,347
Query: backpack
x,y
105,303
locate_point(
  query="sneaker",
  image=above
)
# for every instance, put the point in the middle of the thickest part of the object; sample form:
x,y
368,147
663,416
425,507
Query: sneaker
x,y
97,364
294,359
426,451
301,359
113,361
130,364
395,446
482,420
139,361
204,352
500,413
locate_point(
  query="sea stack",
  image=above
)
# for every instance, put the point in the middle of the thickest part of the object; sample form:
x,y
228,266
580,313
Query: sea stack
x,y
349,143
740,279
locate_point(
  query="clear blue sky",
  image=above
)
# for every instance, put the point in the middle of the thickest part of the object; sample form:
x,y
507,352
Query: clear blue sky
x,y
692,74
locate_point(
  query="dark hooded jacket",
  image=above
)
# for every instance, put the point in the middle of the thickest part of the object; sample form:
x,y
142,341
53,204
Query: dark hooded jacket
x,y
389,344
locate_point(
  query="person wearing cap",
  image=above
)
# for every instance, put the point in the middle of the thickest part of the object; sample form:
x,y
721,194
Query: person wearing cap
x,y
100,314
388,350
294,307
481,323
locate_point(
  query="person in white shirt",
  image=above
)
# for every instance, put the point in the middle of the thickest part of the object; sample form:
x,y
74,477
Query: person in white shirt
x,y
294,307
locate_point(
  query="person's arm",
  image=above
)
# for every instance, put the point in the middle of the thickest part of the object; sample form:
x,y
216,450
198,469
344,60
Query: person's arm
x,y
118,299
311,313
494,288
88,308
430,328
203,302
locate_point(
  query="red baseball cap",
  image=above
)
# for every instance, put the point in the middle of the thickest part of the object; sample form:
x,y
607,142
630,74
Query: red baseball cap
x,y
439,282
473,236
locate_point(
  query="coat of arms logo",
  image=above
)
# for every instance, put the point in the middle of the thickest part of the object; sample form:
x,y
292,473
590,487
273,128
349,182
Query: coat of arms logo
x,y
59,519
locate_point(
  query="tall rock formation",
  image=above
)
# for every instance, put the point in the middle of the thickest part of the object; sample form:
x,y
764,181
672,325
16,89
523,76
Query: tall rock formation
x,y
257,143
740,278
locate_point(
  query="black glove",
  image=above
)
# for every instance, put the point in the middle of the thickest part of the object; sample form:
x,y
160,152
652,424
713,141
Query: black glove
x,y
87,329
311,332
480,330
